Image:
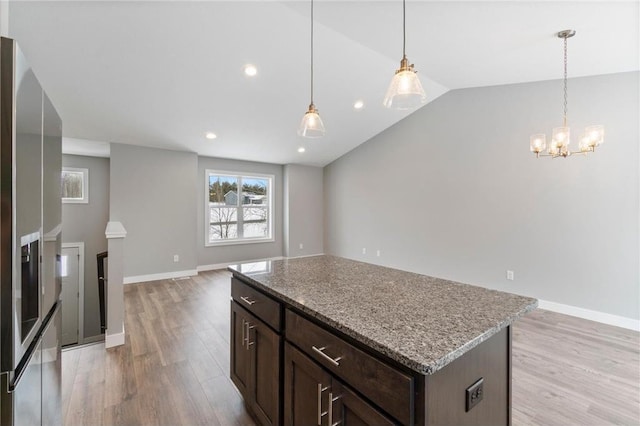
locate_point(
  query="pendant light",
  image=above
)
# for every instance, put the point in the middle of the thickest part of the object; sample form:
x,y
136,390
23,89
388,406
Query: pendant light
x,y
560,139
311,125
405,90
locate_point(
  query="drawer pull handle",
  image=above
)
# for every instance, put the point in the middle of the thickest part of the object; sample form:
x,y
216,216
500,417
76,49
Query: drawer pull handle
x,y
247,301
327,357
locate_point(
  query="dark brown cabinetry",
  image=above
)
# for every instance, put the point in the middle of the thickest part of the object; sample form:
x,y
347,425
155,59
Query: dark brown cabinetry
x,y
312,396
255,363
386,386
320,376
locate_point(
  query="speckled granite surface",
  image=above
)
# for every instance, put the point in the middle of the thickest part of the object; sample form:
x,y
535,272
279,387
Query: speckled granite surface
x,y
421,322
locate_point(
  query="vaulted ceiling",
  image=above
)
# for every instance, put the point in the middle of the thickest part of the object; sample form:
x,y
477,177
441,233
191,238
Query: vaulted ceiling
x,y
163,74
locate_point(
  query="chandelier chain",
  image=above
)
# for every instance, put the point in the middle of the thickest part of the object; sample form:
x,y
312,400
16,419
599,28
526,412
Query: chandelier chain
x,y
566,96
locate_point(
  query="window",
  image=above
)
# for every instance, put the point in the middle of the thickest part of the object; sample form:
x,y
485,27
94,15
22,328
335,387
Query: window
x,y
75,185
239,208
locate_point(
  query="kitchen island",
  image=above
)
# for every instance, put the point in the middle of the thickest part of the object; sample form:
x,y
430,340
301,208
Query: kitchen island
x,y
326,340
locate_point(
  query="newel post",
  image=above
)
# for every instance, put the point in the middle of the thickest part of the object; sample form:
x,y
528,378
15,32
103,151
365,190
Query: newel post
x,y
115,234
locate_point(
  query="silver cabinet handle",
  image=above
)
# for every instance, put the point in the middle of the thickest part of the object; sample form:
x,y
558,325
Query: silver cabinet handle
x,y
243,334
319,403
331,401
320,413
249,327
247,300
333,361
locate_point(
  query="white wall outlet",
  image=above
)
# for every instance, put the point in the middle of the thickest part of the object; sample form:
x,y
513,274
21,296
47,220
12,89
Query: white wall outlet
x,y
301,246
378,253
510,275
364,250
176,258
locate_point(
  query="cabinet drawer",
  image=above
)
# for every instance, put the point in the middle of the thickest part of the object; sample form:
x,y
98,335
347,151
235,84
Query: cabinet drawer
x,y
387,387
258,303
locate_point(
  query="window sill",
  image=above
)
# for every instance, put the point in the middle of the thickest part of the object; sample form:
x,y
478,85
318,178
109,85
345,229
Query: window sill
x,y
237,242
75,201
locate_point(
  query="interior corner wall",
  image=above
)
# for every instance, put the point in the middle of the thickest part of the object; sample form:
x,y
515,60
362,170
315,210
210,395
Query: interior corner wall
x,y
86,223
219,255
153,194
303,207
452,191
4,18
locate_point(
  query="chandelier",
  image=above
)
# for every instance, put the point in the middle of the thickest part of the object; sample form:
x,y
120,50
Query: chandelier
x,y
561,137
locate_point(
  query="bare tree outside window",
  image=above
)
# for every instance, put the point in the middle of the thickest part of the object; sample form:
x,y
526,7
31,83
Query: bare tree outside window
x,y
235,214
75,185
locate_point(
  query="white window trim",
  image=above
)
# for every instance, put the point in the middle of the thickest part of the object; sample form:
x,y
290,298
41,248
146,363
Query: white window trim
x,y
85,186
237,241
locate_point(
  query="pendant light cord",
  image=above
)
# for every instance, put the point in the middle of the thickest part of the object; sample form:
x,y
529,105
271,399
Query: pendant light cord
x,y
404,28
311,52
566,96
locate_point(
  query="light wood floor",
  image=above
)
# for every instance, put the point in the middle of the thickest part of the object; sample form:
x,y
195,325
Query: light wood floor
x,y
174,366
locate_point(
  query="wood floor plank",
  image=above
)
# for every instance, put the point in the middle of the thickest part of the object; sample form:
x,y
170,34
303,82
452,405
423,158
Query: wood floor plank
x,y
174,366
572,371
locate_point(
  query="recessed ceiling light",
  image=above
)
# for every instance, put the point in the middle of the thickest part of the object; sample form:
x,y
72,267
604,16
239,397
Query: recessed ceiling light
x,y
250,70
301,149
210,135
358,104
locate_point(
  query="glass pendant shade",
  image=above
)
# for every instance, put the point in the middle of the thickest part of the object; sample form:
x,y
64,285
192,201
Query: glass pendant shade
x,y
585,143
311,125
405,90
595,134
561,137
538,143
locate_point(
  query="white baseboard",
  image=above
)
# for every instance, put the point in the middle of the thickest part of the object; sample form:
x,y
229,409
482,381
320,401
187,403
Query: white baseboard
x,y
305,255
216,266
603,317
112,340
160,276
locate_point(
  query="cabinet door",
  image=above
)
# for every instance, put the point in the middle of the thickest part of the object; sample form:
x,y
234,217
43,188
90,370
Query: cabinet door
x,y
264,385
306,390
348,409
240,355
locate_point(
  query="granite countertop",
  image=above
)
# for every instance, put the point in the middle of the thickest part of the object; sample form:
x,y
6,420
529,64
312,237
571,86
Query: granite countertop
x,y
422,322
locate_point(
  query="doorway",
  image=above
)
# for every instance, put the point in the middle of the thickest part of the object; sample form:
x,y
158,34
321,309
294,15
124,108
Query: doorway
x,y
72,272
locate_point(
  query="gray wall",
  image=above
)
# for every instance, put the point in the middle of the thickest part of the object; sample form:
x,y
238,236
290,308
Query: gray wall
x,y
153,194
4,18
452,191
86,223
238,252
303,210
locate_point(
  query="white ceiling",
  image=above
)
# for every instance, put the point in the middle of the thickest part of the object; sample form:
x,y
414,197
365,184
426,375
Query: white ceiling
x,y
162,74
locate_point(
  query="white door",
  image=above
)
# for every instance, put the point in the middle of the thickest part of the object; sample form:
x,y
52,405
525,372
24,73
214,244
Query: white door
x,y
70,293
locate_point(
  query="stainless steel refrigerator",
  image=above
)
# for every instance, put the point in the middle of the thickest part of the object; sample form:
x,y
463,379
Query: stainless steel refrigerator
x,y
30,246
